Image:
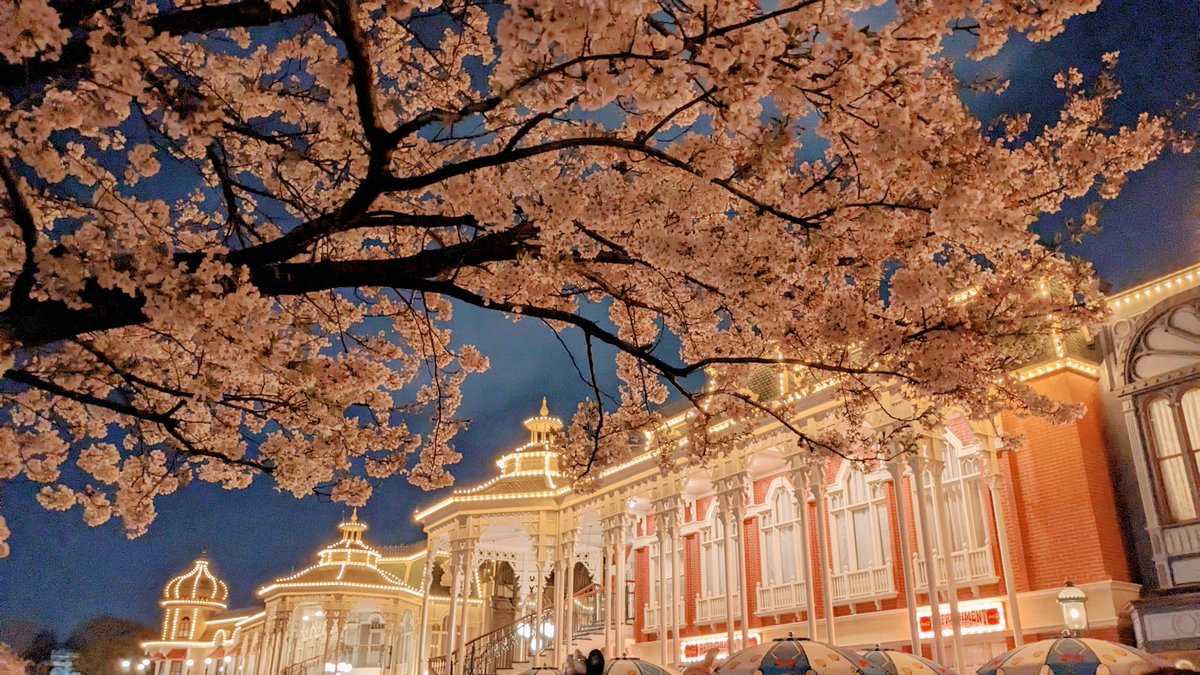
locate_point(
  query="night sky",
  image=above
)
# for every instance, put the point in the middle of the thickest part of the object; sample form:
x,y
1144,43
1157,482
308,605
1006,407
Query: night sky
x,y
62,572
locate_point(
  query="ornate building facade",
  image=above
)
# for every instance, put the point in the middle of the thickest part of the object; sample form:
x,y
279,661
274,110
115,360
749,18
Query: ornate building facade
x,y
957,551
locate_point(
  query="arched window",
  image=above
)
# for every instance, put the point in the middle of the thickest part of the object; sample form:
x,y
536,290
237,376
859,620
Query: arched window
x,y
780,534
962,487
712,554
1174,453
858,511
185,629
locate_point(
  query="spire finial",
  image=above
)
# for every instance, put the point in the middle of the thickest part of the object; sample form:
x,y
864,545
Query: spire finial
x,y
354,515
545,411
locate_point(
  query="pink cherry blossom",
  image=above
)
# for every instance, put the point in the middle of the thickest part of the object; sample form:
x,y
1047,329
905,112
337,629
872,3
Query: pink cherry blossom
x,y
229,252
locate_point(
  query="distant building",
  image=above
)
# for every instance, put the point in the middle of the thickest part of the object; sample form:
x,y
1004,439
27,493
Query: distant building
x,y
769,540
62,662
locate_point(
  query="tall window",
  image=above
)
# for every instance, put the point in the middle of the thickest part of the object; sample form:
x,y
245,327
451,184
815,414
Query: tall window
x,y
712,554
659,571
1175,454
962,486
780,533
859,514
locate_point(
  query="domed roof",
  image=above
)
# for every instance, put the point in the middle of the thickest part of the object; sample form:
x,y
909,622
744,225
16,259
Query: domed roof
x,y
349,561
197,584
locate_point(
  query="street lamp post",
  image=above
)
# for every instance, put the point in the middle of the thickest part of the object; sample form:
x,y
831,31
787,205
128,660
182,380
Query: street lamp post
x,y
1073,601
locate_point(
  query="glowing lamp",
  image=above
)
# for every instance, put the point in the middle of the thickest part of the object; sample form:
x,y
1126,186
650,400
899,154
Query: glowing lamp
x,y
329,668
228,659
190,663
125,663
548,630
1073,601
344,667
208,661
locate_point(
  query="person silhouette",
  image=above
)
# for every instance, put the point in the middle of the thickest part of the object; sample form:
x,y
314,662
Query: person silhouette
x,y
595,662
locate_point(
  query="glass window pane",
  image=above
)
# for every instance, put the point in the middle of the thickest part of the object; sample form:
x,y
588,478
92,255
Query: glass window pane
x,y
1171,466
863,546
1190,402
787,554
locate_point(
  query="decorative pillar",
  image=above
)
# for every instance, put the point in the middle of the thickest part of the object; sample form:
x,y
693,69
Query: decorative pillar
x,y
738,513
724,503
678,565
559,603
992,472
666,529
896,469
661,535
621,604
418,666
817,484
800,492
937,446
931,567
569,593
468,568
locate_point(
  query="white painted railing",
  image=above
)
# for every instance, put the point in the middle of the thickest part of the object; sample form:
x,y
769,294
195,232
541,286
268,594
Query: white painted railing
x,y
873,583
782,598
712,610
972,566
652,616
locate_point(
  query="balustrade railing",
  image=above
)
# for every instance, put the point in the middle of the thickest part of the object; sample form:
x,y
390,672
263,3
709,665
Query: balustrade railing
x,y
306,667
972,566
780,598
652,616
873,583
712,610
527,636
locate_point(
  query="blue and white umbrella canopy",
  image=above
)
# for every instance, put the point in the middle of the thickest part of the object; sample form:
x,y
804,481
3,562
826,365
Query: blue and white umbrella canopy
x,y
795,656
895,662
1074,656
628,665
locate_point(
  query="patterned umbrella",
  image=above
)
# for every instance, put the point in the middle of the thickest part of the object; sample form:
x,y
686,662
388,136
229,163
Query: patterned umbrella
x,y
1073,656
542,670
794,656
628,665
895,662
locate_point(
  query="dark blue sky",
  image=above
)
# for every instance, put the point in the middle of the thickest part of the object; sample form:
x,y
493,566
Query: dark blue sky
x,y
62,572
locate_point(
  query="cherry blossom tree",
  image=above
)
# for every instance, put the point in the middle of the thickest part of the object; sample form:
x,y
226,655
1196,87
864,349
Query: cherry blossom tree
x,y
233,232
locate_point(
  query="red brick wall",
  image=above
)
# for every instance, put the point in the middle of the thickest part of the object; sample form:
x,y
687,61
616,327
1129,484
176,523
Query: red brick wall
x,y
641,592
1065,523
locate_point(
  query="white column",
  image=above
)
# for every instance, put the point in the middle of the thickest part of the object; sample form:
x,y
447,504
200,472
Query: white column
x,y
1014,612
662,589
622,605
896,468
929,555
726,516
418,666
455,585
569,592
739,519
943,527
559,603
678,565
800,494
606,558
817,477
464,624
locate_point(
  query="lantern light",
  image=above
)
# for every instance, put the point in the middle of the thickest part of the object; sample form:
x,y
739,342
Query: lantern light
x,y
1073,601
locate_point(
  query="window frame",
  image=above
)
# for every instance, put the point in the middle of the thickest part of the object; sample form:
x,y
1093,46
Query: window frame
x,y
771,529
875,502
1173,395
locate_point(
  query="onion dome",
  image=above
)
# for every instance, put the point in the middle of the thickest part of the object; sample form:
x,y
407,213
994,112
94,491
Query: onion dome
x,y
349,562
198,584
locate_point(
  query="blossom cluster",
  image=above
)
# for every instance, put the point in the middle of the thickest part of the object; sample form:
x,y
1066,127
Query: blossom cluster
x,y
234,234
